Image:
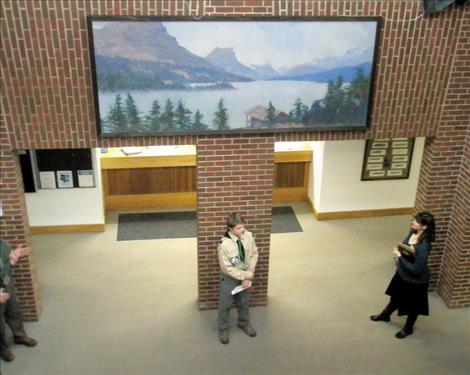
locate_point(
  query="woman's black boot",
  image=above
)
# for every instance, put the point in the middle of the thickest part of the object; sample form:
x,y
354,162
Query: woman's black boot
x,y
408,328
384,316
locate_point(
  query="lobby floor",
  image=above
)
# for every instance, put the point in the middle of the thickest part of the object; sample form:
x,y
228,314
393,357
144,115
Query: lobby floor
x,y
129,308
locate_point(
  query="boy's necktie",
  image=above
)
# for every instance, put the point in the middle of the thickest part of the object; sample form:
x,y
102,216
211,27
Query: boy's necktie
x,y
241,250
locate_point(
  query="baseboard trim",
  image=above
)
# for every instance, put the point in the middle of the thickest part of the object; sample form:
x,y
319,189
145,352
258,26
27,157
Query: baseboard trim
x,y
364,213
81,228
358,214
312,207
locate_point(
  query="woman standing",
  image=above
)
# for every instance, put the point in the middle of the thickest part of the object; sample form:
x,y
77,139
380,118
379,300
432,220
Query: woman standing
x,y
408,289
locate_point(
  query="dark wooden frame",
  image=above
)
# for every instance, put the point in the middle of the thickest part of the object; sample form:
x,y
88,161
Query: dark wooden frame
x,y
91,19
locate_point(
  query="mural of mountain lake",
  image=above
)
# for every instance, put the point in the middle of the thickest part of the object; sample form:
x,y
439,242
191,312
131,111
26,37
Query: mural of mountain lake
x,y
245,96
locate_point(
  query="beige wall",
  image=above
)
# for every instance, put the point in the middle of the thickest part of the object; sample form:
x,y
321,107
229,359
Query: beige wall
x,y
337,184
51,207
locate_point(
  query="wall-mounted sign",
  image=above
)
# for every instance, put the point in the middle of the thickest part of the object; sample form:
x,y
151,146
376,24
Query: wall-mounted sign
x,y
64,179
85,178
387,159
47,179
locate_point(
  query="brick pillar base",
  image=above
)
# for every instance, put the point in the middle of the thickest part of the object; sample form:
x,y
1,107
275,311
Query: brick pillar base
x,y
443,190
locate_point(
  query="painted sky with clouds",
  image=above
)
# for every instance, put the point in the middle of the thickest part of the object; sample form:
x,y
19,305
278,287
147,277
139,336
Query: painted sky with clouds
x,y
282,44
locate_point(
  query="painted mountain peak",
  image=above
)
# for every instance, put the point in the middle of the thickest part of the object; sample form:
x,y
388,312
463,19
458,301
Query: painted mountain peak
x,y
142,56
223,55
320,68
226,59
265,71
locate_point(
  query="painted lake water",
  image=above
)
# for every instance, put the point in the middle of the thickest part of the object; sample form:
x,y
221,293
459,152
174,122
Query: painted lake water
x,y
282,94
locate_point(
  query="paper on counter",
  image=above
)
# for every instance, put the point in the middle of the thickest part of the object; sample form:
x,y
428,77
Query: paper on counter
x,y
131,150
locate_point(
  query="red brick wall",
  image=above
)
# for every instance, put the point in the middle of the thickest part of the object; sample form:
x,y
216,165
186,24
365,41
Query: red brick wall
x,y
444,187
420,90
15,230
47,75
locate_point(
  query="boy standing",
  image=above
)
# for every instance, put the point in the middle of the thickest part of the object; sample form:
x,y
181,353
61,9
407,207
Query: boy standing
x,y
238,255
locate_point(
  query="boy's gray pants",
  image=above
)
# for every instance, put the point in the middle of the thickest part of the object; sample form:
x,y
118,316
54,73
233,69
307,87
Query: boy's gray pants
x,y
242,302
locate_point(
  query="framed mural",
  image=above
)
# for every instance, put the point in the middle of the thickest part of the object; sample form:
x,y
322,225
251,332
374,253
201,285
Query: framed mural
x,y
387,159
181,75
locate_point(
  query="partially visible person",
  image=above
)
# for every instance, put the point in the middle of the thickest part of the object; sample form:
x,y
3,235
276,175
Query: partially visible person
x,y
408,289
238,256
10,313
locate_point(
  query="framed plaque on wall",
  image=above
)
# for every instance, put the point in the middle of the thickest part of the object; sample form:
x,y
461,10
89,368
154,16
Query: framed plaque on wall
x,y
387,159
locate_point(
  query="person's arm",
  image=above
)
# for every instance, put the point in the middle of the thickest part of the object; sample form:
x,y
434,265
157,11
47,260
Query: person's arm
x,y
3,296
18,253
254,255
227,267
421,259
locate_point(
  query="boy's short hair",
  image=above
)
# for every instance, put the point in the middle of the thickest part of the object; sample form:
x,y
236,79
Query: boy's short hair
x,y
234,219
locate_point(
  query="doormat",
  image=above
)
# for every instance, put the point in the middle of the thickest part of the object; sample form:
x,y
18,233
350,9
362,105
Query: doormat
x,y
284,220
156,225
159,225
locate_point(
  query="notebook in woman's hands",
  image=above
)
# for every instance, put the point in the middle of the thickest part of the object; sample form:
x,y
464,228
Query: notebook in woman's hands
x,y
406,249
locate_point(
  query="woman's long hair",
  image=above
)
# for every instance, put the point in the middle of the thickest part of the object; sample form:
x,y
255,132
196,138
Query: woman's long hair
x,y
425,218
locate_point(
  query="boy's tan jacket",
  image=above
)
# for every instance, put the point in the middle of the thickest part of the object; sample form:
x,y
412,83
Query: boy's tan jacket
x,y
229,260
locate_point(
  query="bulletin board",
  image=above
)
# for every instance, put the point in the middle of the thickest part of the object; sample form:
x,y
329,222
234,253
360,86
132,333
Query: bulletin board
x,y
65,168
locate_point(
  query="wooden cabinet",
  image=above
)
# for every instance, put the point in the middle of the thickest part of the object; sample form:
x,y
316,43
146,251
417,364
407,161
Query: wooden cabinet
x,y
165,176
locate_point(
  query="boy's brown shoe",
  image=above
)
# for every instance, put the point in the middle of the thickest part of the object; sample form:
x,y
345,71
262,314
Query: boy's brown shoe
x,y
7,356
248,329
25,340
223,336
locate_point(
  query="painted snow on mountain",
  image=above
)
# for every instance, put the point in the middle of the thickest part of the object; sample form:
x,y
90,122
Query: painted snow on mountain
x,y
319,70
342,64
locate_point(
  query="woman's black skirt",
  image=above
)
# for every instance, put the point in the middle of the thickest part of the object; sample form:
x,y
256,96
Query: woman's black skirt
x,y
411,298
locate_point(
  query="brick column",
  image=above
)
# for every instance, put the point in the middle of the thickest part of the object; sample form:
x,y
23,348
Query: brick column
x,y
14,229
444,185
234,174
454,278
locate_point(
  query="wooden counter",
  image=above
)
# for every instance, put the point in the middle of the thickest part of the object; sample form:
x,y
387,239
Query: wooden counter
x,y
157,177
150,157
165,176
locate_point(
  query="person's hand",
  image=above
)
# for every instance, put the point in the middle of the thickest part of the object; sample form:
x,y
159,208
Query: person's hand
x,y
246,283
3,296
18,253
396,254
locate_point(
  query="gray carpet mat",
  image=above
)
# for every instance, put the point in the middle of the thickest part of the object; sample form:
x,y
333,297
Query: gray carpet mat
x,y
158,225
284,220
